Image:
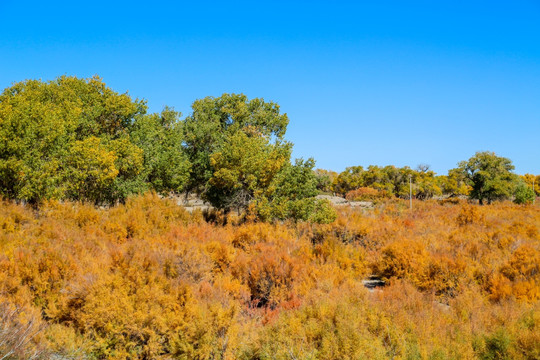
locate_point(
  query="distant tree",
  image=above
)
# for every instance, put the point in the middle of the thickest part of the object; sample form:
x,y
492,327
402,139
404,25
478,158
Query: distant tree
x,y
325,179
396,180
349,179
423,168
454,184
378,177
523,194
426,185
389,180
490,176
531,179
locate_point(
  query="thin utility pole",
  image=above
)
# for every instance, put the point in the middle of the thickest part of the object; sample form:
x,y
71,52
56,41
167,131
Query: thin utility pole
x,y
534,194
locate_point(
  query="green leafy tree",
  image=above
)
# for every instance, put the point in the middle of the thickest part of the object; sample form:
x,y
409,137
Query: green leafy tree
x,y
129,162
325,179
426,184
215,120
377,177
244,168
490,176
90,166
166,166
239,157
395,180
292,195
390,179
524,194
45,129
349,179
453,184
532,181
295,181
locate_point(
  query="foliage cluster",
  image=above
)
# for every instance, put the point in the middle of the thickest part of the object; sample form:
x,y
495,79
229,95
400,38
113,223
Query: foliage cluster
x,y
76,139
393,181
532,181
490,176
147,280
524,194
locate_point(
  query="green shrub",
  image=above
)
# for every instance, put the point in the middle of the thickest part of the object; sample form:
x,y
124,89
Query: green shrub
x,y
524,194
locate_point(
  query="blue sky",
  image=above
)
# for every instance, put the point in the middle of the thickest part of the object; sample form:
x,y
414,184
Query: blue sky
x,y
378,82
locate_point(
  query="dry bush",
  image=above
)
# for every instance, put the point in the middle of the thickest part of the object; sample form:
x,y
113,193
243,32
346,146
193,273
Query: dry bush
x,y
368,194
403,259
522,273
269,275
469,214
450,201
19,331
344,229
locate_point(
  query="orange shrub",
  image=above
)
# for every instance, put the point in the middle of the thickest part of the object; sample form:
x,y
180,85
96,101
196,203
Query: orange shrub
x,y
367,194
269,275
403,259
523,271
469,214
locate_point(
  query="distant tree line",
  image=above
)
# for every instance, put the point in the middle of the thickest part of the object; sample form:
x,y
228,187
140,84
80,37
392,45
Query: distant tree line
x,y
485,177
76,139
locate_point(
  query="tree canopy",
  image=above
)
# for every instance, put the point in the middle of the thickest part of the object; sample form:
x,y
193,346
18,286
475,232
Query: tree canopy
x,y
67,138
243,168
239,157
215,120
292,195
490,176
166,166
77,139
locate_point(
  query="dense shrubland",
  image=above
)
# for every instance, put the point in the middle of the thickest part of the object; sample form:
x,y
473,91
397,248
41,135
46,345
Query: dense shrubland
x,y
148,280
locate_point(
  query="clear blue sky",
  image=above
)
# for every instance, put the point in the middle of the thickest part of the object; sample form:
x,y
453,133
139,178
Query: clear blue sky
x,y
378,82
